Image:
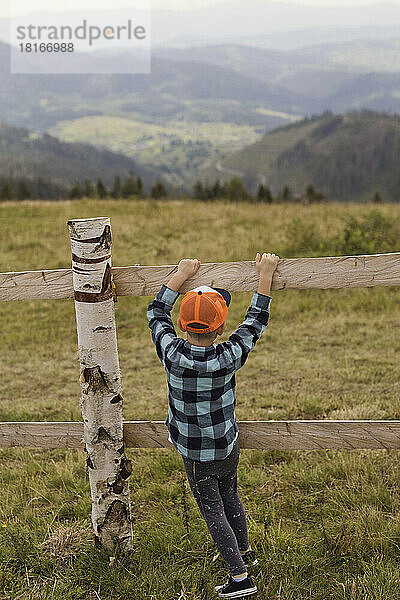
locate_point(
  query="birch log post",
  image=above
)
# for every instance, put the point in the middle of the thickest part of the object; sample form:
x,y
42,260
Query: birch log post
x,y
101,400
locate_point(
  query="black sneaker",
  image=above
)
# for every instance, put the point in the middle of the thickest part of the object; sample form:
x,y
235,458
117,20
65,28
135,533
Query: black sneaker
x,y
237,589
250,559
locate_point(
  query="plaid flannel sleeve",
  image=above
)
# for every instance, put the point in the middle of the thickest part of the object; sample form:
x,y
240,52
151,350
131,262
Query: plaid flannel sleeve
x,y
244,338
160,322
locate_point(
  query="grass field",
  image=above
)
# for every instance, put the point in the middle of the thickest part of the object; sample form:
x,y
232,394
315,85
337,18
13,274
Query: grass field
x,y
325,524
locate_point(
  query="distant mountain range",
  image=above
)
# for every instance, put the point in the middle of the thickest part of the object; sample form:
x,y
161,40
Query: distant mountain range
x,y
308,36
335,76
230,83
347,156
201,103
250,22
174,90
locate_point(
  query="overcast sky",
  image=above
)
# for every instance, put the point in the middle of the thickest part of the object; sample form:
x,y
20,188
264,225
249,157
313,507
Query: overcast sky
x,y
27,6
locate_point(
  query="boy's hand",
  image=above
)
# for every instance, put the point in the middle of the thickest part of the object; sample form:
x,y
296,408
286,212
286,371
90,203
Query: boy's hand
x,y
267,263
186,269
266,266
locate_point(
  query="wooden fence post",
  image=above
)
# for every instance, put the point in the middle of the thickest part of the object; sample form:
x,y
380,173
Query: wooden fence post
x,y
101,400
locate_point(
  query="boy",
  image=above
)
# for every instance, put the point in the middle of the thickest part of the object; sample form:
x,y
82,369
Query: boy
x,y
201,394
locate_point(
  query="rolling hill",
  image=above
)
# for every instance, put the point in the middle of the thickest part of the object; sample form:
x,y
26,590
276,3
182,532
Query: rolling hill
x,y
24,154
177,150
346,156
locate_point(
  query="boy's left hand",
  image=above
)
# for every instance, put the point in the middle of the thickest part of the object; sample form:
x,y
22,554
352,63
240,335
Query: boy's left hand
x,y
188,267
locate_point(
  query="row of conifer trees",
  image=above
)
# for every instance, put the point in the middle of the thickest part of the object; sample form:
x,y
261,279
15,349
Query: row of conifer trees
x,y
233,190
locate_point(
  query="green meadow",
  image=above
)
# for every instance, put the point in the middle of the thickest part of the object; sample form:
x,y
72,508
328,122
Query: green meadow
x,y
179,149
325,524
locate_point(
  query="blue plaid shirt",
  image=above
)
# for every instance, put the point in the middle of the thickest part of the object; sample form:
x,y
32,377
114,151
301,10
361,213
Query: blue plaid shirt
x,y
201,380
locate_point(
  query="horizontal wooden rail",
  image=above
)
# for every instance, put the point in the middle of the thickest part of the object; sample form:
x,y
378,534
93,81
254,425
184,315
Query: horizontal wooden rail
x,y
267,435
293,273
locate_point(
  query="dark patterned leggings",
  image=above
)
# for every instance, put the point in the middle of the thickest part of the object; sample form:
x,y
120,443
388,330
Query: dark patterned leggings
x,y
214,486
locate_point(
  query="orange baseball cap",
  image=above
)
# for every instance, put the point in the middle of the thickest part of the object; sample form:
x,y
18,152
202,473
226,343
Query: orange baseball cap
x,y
204,309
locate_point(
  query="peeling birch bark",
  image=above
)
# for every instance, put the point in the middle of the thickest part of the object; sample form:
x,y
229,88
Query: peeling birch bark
x,y
101,400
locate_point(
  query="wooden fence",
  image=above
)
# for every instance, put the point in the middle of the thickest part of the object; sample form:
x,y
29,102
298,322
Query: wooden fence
x,y
95,285
294,273
271,435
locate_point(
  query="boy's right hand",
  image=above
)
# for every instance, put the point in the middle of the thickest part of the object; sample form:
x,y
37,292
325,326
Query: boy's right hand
x,y
266,264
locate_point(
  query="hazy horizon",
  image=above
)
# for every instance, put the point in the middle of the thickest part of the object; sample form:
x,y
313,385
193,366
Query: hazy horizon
x,y
25,6
247,23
